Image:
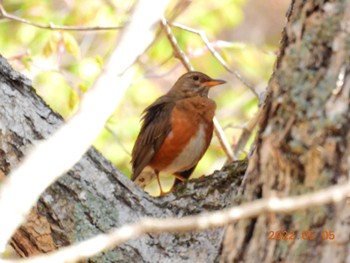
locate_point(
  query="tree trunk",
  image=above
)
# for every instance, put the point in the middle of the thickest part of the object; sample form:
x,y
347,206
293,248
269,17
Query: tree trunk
x,y
93,197
303,144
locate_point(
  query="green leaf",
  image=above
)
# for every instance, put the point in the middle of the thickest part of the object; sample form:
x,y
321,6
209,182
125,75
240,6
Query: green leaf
x,y
71,44
26,60
74,100
83,87
52,45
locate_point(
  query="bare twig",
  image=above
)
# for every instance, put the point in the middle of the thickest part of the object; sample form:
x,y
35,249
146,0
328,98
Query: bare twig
x,y
247,132
161,75
51,26
212,50
98,103
149,70
116,138
202,221
220,134
187,64
177,50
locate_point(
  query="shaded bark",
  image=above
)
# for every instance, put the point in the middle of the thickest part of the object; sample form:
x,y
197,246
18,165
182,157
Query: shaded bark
x,y
302,145
94,197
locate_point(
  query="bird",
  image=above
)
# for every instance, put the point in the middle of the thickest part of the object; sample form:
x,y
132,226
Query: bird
x,y
176,131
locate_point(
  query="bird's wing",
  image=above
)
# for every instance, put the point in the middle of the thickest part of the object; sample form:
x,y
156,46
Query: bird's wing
x,y
156,126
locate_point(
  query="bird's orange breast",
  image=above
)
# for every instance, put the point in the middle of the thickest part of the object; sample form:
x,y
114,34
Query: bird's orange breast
x,y
191,133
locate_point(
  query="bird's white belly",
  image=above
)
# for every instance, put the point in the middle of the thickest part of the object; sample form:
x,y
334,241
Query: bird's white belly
x,y
190,155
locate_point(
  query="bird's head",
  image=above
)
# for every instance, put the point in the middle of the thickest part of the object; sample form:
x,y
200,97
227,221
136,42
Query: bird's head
x,y
193,84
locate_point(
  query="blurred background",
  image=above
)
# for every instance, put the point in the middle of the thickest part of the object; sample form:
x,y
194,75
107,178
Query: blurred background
x,y
64,64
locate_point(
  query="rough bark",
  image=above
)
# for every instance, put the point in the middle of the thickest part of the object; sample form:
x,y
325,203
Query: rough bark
x,y
303,144
94,197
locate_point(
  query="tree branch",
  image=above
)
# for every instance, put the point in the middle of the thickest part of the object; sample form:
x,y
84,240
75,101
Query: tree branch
x,y
51,26
203,221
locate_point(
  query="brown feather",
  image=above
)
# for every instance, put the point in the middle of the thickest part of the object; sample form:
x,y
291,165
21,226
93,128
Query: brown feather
x,y
155,127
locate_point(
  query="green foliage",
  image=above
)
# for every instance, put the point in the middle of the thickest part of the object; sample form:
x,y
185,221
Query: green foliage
x,y
64,64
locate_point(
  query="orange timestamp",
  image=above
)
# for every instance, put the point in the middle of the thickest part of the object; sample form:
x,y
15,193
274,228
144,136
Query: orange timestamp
x,y
303,235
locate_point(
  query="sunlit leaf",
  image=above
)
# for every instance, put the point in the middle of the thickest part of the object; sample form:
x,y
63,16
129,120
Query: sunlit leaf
x,y
73,100
26,60
52,45
71,44
100,61
83,87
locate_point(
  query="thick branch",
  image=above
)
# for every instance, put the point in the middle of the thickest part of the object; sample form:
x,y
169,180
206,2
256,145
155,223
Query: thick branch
x,y
96,107
193,223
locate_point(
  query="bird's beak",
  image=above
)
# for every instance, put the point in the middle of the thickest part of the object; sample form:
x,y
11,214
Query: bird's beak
x,y
213,82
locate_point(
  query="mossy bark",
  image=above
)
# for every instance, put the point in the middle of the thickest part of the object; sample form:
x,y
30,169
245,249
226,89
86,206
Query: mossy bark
x,y
303,144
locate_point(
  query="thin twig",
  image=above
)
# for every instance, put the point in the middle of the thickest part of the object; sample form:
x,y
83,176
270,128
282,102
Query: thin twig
x,y
187,64
247,132
216,54
177,50
116,138
51,26
148,70
202,221
162,75
220,134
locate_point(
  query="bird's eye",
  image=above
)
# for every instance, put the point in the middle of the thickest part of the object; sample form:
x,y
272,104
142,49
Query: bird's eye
x,y
195,78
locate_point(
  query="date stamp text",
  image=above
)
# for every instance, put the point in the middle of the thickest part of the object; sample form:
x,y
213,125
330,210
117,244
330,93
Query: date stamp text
x,y
301,235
